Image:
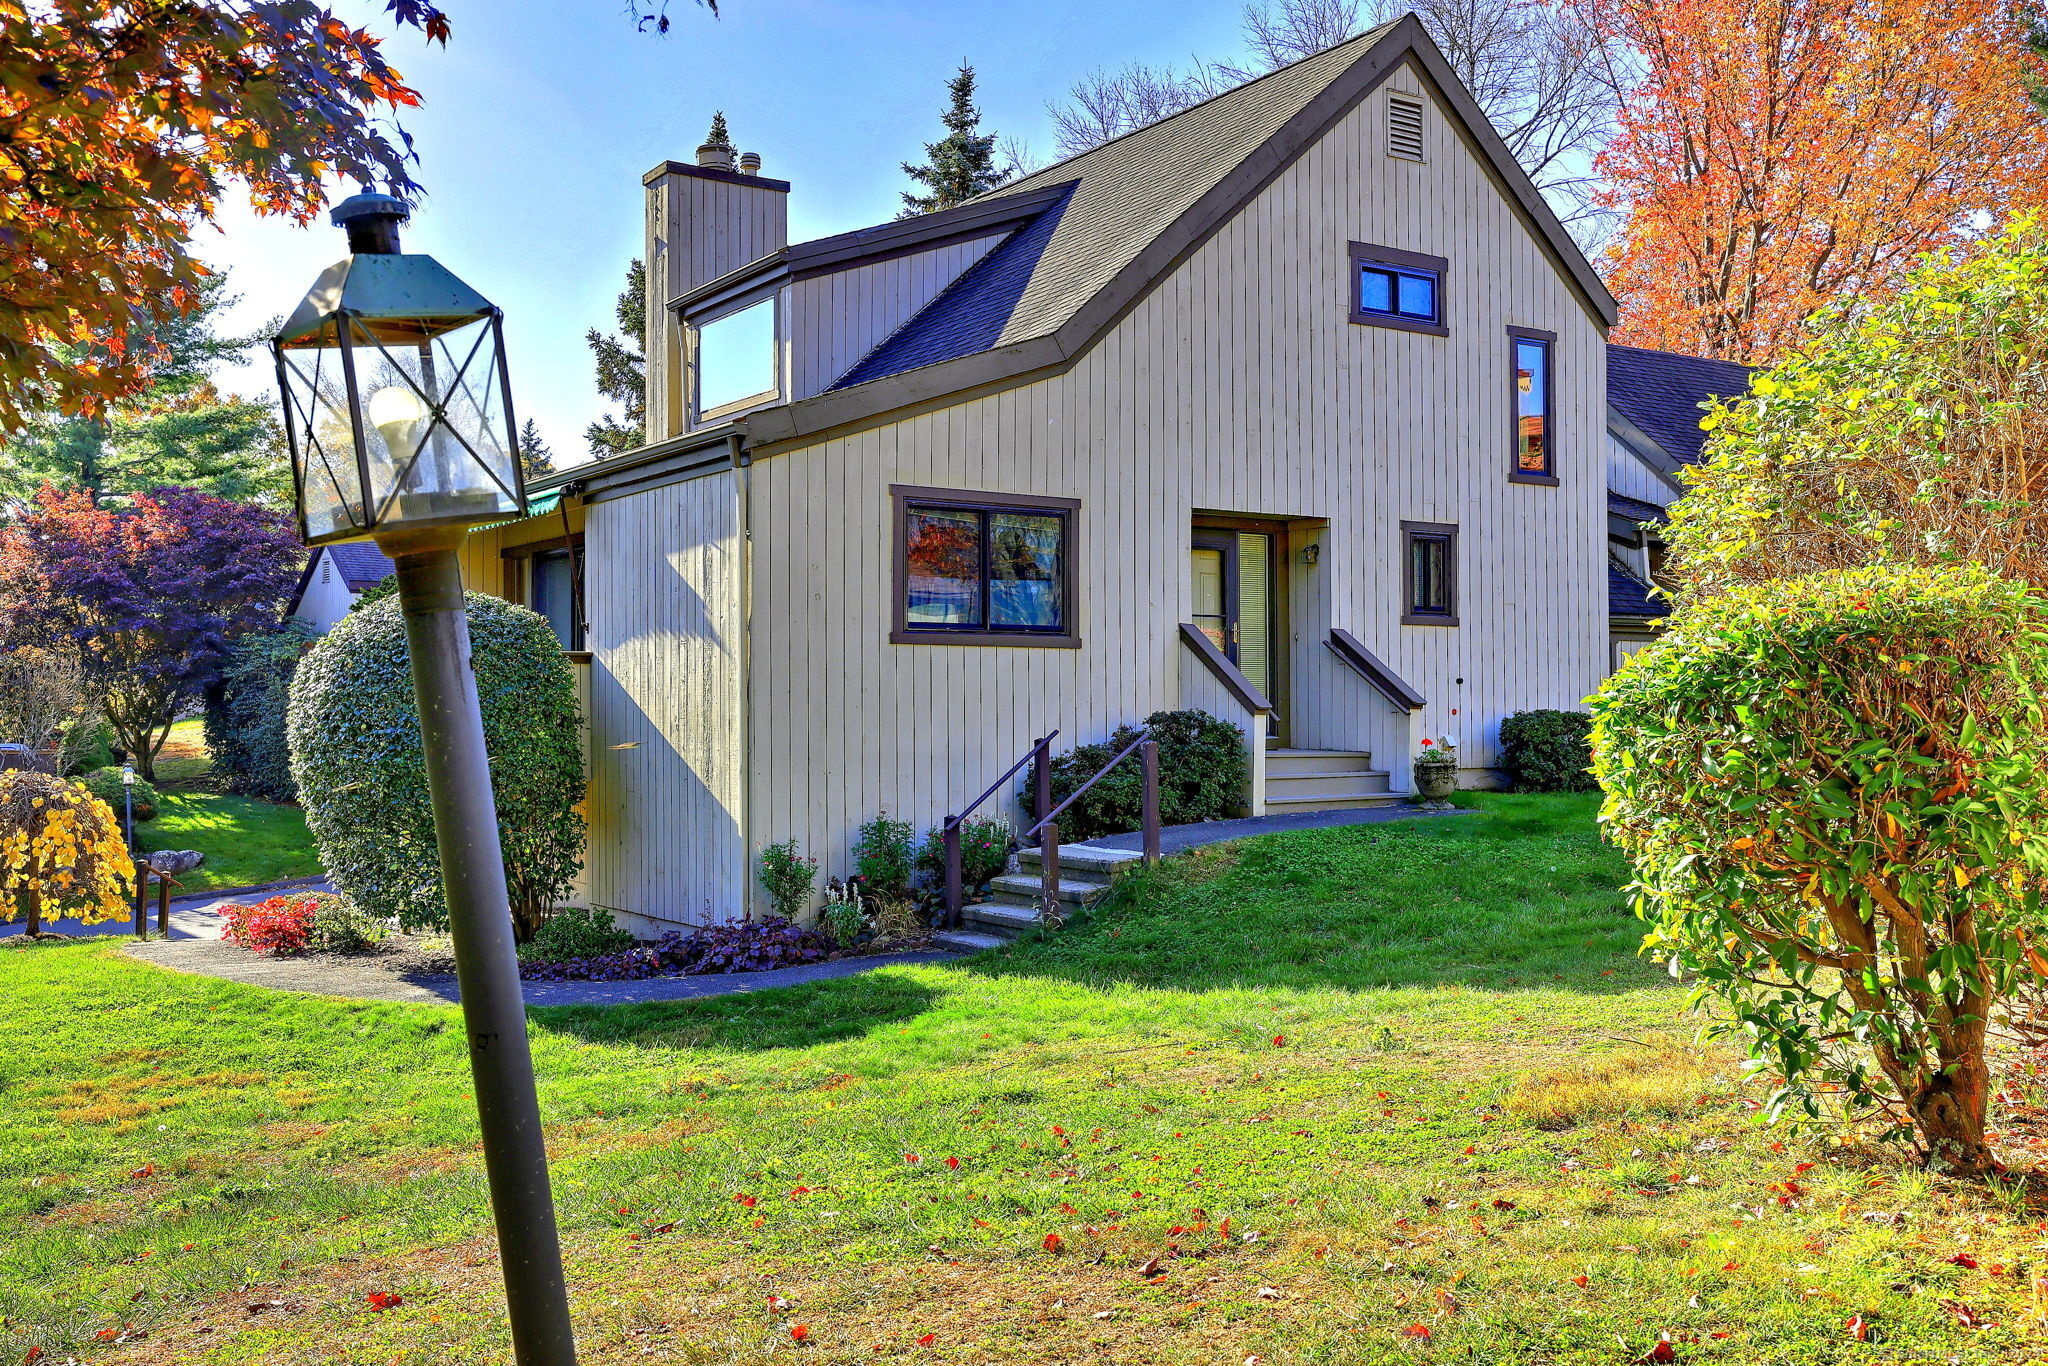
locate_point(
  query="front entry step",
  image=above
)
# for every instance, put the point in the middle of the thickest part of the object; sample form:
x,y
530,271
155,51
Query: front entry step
x,y
1326,780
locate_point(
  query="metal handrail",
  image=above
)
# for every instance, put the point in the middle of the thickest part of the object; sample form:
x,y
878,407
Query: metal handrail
x,y
1075,795
954,822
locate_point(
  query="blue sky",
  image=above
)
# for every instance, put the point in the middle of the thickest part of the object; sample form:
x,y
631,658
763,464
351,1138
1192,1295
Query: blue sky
x,y
542,115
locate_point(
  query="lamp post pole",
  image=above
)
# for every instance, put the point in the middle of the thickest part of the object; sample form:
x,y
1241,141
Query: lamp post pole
x,y
486,961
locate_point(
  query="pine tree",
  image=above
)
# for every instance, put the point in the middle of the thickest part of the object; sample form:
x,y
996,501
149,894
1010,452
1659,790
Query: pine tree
x,y
960,165
718,137
535,458
622,363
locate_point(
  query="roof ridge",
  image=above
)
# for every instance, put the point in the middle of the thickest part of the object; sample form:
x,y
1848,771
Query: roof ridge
x,y
1376,32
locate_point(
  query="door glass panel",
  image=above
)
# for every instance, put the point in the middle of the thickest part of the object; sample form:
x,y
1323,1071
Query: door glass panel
x,y
1210,618
554,589
1255,609
1025,573
943,567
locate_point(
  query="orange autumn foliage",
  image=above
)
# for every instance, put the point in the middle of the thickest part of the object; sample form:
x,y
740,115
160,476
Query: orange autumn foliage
x,y
1771,156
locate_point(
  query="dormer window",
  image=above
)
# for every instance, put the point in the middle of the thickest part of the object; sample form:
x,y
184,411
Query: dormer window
x,y
736,356
1398,289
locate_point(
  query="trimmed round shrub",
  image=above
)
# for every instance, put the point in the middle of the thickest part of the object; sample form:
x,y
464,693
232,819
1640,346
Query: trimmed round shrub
x,y
1831,791
1548,751
574,932
341,926
106,784
1202,775
245,713
355,748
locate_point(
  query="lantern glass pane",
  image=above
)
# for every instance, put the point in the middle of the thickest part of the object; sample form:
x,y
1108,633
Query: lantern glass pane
x,y
434,425
323,439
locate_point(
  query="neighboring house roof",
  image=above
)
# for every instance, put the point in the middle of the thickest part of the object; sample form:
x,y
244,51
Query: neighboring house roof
x,y
1661,392
1634,509
360,564
1629,596
1135,208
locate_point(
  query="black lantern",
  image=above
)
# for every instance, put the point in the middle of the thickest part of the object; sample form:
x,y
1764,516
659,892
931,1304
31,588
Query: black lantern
x,y
397,406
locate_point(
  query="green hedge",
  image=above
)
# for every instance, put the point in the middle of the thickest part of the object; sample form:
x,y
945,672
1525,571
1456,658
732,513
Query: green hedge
x,y
355,748
106,784
1548,751
1202,776
245,713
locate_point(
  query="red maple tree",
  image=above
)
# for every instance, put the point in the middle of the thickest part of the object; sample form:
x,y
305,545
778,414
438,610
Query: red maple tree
x,y
1772,156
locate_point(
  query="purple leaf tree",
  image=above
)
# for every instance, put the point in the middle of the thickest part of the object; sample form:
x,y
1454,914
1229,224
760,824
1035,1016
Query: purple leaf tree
x,y
152,595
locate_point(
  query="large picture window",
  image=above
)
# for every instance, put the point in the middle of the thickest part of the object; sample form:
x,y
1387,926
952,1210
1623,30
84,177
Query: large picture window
x,y
1430,574
990,569
1533,406
1398,289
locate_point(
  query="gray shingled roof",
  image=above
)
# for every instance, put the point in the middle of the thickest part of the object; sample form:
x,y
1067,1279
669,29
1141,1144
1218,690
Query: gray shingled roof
x,y
362,565
1635,509
1125,194
1629,596
1661,392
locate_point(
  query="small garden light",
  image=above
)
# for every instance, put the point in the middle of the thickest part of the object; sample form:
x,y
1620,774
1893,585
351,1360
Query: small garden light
x,y
398,412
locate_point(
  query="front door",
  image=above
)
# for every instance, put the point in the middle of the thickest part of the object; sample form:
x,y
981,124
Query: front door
x,y
1233,583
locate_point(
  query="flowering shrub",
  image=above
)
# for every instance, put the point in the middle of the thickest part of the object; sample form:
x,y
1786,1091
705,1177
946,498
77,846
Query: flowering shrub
x,y
1438,753
984,852
738,946
787,875
60,851
281,925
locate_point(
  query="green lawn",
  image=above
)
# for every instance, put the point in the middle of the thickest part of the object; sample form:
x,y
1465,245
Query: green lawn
x,y
246,842
1446,1113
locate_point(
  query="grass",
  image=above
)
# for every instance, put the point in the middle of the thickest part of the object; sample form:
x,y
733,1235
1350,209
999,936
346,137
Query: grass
x,y
246,842
1399,1093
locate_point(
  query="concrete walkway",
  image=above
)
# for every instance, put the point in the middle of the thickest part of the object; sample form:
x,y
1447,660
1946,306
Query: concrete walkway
x,y
1178,839
363,981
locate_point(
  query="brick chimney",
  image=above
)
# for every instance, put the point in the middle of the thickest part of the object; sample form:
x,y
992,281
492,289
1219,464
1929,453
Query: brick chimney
x,y
703,220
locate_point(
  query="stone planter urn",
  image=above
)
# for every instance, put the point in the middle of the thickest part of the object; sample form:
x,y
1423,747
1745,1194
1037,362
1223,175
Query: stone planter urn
x,y
1435,782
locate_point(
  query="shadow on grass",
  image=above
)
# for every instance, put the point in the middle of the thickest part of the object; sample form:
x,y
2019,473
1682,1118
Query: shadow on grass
x,y
756,1021
1523,896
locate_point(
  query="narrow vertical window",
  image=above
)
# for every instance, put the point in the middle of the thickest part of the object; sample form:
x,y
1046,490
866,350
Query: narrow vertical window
x,y
1533,405
1430,575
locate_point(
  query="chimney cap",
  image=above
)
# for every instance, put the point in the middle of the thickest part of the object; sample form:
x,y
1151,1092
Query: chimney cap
x,y
371,220
750,163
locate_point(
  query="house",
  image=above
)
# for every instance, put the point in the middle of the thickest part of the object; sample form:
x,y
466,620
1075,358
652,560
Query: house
x,y
1289,407
1655,400
335,576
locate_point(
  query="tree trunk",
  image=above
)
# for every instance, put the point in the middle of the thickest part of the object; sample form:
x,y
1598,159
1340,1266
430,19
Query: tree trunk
x,y
527,918
32,907
1949,1111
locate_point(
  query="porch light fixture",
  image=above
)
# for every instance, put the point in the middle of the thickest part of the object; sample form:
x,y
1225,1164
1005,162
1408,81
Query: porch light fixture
x,y
399,415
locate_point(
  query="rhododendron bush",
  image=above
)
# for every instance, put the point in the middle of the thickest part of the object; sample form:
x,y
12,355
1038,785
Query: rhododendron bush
x,y
1832,793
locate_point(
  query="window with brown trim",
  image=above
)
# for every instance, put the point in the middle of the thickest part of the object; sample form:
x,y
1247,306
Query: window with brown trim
x,y
983,568
1398,289
548,577
1429,577
1532,405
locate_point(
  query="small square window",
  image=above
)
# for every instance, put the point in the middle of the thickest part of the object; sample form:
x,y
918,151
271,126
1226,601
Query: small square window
x,y
1397,289
1429,574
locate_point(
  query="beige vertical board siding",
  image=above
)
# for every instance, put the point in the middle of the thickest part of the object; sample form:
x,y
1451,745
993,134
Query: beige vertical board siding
x,y
1628,474
836,319
665,838
1200,690
1235,386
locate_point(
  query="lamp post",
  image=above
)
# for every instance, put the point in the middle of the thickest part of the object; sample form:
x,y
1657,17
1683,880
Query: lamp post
x,y
398,412
128,799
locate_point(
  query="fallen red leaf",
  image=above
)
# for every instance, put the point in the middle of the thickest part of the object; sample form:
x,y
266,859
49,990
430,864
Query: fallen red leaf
x,y
1066,1208
912,1158
35,1354
1663,1351
928,1339
1279,1041
1857,1328
1053,1242
953,1164
746,1200
799,1331
1469,1150
1964,1260
1579,1281
1416,1330
380,1300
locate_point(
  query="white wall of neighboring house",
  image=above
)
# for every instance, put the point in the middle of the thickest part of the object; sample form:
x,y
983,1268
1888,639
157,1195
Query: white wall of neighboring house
x,y
327,597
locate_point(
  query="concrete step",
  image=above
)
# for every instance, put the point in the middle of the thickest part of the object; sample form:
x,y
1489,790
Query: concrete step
x,y
999,919
1024,887
1084,859
1334,783
1352,801
968,940
1289,762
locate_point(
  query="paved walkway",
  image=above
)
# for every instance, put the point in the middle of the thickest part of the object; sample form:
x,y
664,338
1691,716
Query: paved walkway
x,y
364,982
1176,839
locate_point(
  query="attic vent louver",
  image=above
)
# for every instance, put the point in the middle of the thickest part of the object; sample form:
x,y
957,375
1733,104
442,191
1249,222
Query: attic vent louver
x,y
1404,127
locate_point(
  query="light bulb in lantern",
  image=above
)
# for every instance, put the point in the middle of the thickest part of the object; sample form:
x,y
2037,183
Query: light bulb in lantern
x,y
394,411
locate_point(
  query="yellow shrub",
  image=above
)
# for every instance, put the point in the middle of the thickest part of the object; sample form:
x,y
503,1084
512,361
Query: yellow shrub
x,y
61,852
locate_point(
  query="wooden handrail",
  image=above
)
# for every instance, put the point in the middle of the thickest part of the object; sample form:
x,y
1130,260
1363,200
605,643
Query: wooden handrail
x,y
1226,673
1143,737
1369,667
953,822
949,831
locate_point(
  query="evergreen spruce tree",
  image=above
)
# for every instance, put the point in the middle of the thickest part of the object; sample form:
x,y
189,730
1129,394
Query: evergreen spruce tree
x,y
960,165
622,364
718,137
535,459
